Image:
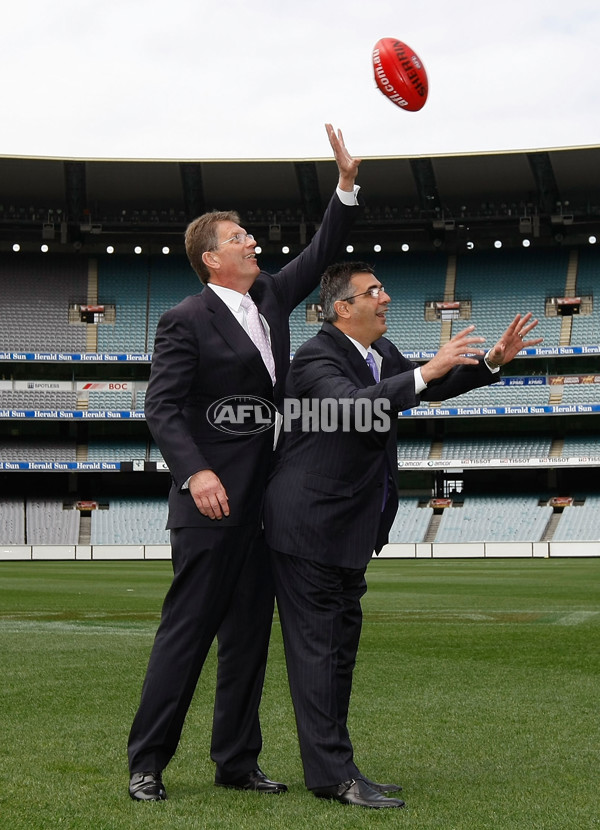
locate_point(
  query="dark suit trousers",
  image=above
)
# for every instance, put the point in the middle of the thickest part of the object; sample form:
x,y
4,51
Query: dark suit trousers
x,y
321,619
222,587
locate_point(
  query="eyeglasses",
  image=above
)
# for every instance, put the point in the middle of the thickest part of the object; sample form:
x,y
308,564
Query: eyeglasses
x,y
238,238
374,292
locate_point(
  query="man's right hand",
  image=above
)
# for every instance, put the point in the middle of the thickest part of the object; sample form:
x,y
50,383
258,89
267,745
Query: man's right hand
x,y
460,350
209,494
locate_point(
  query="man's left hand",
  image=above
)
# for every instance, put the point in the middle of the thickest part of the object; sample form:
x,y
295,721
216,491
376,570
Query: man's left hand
x,y
514,340
347,164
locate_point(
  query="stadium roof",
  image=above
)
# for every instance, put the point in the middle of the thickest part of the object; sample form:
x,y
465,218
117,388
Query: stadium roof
x,y
547,193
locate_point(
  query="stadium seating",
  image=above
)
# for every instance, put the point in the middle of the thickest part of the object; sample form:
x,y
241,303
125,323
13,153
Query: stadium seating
x,y
521,278
495,518
49,524
131,521
110,400
171,280
123,282
580,522
142,288
34,310
411,522
12,521
114,450
586,329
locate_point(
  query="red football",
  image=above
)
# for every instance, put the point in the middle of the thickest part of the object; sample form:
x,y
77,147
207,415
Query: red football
x,y
400,74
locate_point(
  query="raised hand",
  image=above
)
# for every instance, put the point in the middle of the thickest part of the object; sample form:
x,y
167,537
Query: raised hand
x,y
347,164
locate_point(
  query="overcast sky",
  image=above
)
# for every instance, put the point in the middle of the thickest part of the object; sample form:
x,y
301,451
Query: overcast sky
x,y
259,78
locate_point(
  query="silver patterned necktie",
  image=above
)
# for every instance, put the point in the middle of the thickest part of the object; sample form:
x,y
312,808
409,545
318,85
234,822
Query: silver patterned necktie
x,y
257,334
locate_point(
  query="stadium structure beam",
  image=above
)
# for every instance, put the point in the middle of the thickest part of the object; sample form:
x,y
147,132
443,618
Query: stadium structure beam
x,y
426,184
543,173
310,196
193,188
75,189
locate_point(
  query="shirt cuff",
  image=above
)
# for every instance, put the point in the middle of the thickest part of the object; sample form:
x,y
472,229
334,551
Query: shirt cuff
x,y
347,198
491,366
420,384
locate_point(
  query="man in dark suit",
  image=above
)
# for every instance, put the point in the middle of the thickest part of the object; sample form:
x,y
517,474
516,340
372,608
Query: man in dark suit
x,y
332,498
214,346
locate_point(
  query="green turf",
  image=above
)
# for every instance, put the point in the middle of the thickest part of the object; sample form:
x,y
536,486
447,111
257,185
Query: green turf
x,y
477,688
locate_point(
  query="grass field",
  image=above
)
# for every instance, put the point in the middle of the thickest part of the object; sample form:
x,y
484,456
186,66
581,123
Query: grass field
x,y
477,689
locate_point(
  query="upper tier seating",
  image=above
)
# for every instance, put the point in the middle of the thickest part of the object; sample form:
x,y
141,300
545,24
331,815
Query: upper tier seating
x,y
34,309
500,284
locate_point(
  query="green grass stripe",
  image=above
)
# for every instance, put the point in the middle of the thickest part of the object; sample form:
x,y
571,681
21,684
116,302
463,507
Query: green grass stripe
x,y
477,688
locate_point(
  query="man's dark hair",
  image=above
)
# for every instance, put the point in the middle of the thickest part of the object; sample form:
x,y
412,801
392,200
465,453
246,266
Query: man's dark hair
x,y
335,285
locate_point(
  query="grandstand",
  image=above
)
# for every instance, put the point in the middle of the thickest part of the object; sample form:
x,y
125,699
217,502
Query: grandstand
x,y
80,476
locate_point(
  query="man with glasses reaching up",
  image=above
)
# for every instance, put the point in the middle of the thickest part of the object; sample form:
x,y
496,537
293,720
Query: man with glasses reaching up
x,y
231,341
332,499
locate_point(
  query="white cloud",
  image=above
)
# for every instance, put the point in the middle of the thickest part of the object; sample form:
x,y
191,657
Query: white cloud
x,y
193,79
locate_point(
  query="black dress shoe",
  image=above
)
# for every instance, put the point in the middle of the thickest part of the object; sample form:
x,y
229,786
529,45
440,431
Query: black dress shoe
x,y
382,788
254,780
147,786
359,793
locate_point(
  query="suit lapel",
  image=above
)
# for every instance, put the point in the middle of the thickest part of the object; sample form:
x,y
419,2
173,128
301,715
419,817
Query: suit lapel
x,y
356,361
233,333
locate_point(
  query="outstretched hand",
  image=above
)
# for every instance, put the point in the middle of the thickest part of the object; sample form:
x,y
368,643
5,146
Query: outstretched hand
x,y
347,164
513,340
459,350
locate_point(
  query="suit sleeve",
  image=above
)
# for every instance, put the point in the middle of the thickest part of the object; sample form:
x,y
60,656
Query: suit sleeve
x,y
318,375
302,275
173,371
458,380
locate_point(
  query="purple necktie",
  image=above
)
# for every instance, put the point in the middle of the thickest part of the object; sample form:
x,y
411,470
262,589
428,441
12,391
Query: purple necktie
x,y
372,366
375,372
257,334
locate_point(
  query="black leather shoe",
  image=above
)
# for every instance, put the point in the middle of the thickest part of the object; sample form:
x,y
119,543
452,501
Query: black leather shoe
x,y
382,788
254,780
147,786
359,793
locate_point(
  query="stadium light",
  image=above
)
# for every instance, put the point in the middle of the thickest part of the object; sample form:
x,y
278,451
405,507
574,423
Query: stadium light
x,y
137,249
285,250
592,240
44,248
377,248
110,249
16,247
497,244
166,250
349,249
405,246
526,243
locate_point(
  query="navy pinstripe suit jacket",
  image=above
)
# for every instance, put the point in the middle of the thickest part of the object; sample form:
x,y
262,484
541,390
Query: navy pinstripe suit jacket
x,y
325,495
